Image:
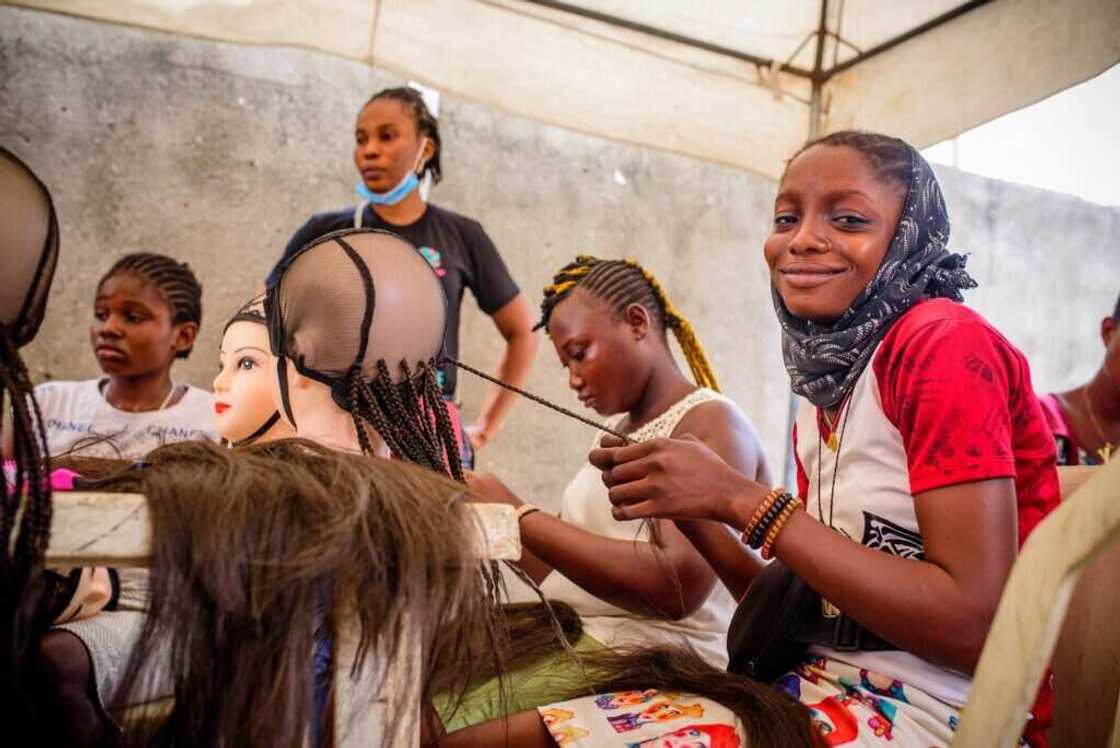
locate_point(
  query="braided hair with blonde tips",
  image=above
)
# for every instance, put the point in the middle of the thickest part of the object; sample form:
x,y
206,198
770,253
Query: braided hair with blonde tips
x,y
174,280
620,283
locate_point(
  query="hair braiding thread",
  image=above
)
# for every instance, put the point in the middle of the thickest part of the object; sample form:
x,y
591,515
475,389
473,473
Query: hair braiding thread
x,y
539,400
434,399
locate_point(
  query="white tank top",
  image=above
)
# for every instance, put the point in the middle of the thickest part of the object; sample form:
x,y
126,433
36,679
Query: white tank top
x,y
585,504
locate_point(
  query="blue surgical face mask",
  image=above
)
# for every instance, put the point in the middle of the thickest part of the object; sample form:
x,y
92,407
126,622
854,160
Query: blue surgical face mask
x,y
403,188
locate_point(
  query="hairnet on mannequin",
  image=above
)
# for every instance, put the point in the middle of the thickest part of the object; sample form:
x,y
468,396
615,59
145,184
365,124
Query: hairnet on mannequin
x,y
354,297
28,246
363,312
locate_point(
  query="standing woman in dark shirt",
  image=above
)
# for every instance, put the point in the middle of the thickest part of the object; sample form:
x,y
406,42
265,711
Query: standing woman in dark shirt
x,y
397,142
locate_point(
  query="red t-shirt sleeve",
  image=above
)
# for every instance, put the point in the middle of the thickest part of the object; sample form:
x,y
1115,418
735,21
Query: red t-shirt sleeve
x,y
946,386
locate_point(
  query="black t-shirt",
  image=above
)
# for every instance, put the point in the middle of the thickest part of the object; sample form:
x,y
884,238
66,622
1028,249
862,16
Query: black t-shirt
x,y
456,246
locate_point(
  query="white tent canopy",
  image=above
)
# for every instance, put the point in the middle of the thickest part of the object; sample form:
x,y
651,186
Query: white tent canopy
x,y
736,82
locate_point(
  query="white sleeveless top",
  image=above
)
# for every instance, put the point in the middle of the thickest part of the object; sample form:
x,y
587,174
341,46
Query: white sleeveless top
x,y
585,504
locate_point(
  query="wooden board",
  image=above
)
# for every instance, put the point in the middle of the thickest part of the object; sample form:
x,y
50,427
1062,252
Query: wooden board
x,y
111,529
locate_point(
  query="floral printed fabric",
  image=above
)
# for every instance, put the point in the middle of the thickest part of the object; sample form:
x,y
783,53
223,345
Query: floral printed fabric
x,y
643,719
848,707
853,707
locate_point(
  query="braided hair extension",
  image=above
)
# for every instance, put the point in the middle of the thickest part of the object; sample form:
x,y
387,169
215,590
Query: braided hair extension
x,y
413,401
620,283
402,414
174,280
426,124
26,498
433,395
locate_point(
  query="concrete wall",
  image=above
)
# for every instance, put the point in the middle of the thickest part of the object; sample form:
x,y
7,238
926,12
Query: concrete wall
x,y
215,153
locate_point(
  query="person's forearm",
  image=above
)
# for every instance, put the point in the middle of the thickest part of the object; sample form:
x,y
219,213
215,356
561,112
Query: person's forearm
x,y
911,603
532,565
513,368
733,563
635,575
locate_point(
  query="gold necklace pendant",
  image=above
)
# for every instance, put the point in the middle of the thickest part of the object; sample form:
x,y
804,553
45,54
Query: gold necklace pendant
x,y
1107,447
833,442
828,610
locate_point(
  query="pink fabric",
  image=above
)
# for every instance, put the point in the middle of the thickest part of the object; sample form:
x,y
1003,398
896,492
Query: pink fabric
x,y
456,424
1055,415
61,479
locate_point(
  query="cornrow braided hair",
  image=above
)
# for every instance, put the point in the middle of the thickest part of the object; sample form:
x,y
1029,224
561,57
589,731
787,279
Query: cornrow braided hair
x,y
888,157
174,280
620,283
426,124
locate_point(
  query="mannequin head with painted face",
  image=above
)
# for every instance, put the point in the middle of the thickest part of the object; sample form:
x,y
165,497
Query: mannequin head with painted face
x,y
357,321
244,407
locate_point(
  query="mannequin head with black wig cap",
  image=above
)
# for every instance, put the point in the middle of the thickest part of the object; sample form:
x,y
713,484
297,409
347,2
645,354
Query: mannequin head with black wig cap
x,y
357,322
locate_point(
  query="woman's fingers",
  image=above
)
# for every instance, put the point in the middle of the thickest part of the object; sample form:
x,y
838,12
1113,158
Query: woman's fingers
x,y
641,510
606,457
628,472
634,492
610,441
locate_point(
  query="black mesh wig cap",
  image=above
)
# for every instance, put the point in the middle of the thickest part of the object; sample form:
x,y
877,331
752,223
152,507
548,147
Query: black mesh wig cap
x,y
28,246
362,311
28,256
251,311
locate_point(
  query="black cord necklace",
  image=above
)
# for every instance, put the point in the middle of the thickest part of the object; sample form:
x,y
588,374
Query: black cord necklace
x,y
828,610
842,422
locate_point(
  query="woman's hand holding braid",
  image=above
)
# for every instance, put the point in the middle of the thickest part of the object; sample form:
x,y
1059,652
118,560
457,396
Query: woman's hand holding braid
x,y
679,478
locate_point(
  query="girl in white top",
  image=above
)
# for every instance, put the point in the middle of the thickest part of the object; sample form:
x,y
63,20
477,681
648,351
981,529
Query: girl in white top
x,y
146,315
631,582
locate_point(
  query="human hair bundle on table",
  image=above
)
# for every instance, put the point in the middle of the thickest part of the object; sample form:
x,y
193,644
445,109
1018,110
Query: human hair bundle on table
x,y
255,549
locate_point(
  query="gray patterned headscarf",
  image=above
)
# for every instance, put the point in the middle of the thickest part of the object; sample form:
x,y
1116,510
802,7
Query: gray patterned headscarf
x,y
824,361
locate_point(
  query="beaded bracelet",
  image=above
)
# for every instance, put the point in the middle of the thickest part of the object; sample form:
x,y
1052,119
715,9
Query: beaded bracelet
x,y
763,506
772,535
759,534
